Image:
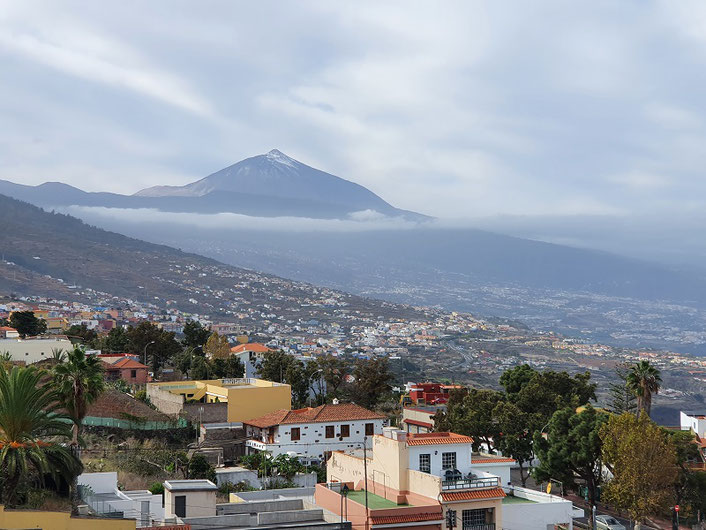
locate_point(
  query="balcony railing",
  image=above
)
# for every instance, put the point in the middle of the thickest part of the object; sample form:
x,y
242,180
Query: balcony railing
x,y
486,526
470,484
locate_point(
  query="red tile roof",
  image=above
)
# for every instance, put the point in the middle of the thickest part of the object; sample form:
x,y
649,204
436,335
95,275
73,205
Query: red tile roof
x,y
490,460
322,414
126,362
436,438
420,423
253,347
493,493
406,518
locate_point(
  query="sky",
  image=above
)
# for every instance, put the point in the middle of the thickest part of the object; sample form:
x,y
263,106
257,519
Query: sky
x,y
455,109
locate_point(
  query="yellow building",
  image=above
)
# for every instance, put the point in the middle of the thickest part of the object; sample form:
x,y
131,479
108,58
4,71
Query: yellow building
x,y
246,397
26,519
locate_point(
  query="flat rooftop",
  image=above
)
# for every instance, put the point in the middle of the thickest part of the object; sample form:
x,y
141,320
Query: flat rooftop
x,y
511,499
375,502
190,485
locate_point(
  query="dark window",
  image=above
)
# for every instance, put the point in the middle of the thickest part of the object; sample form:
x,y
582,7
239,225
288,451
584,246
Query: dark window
x,y
330,431
133,373
369,429
448,460
180,505
425,463
345,431
296,433
471,518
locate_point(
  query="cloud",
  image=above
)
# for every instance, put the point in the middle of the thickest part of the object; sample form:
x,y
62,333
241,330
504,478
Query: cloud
x,y
458,109
359,221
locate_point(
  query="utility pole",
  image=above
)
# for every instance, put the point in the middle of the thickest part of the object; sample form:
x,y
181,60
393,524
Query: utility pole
x,y
365,470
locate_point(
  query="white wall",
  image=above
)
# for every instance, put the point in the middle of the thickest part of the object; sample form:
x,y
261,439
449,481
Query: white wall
x,y
105,482
543,513
463,457
499,470
313,442
696,424
33,350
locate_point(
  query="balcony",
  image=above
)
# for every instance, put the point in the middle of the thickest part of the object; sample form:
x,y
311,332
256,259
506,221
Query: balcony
x,y
470,484
486,526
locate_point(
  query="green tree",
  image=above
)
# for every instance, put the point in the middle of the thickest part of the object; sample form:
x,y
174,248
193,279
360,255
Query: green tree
x,y
230,367
161,346
200,468
58,355
622,398
572,449
32,427
372,381
515,439
199,369
27,324
643,462
644,380
79,382
690,486
281,367
195,334
470,412
217,346
82,333
514,379
334,370
116,341
287,466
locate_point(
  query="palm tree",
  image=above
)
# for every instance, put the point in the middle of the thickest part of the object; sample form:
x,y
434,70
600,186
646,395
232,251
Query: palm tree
x,y
644,380
31,427
58,354
79,382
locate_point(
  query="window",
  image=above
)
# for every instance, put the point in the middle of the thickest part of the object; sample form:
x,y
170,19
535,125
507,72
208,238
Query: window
x,y
296,433
369,429
448,460
425,463
330,431
470,518
345,431
133,374
180,505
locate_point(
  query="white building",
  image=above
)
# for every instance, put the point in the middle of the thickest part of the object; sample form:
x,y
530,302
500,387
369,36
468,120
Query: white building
x,y
35,349
694,421
312,432
100,491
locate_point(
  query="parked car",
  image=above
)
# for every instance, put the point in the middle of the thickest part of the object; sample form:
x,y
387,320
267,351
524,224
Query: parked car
x,y
607,522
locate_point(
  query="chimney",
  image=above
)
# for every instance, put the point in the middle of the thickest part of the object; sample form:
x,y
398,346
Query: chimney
x,y
335,401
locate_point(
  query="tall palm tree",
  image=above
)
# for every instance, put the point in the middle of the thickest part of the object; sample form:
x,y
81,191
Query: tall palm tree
x,y
31,429
79,382
644,380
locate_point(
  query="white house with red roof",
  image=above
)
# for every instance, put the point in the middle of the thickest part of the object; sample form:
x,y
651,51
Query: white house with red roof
x,y
313,433
251,355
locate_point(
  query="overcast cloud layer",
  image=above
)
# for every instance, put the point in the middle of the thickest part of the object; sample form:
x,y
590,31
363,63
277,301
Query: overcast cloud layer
x,y
454,109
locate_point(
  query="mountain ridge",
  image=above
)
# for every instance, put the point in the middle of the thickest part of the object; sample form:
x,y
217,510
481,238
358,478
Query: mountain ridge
x,y
268,185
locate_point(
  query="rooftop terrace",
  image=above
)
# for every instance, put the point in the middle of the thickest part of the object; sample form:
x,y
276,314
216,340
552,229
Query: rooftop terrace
x,y
375,502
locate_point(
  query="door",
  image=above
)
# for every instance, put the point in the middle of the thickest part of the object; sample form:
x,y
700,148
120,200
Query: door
x,y
180,505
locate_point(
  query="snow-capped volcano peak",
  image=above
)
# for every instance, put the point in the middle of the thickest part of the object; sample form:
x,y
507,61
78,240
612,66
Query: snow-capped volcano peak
x,y
278,156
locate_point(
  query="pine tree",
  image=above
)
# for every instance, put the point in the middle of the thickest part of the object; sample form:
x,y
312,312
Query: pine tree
x,y
622,398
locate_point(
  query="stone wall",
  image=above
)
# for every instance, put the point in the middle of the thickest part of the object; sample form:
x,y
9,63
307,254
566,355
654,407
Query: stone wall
x,y
165,402
212,412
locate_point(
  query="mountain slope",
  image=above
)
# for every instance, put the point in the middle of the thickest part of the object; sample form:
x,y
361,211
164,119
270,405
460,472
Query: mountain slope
x,y
265,185
49,254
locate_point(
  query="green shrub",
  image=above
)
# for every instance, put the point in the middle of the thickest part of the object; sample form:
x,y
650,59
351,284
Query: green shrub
x,y
157,488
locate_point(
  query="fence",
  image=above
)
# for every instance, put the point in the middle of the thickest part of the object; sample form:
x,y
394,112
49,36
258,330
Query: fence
x,y
135,425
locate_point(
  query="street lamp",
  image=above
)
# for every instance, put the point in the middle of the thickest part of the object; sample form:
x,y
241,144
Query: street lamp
x,y
144,352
